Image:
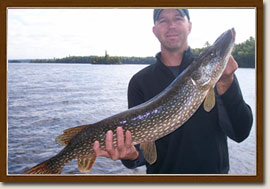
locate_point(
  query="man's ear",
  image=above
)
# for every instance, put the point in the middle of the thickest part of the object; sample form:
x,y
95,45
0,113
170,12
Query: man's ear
x,y
154,30
190,26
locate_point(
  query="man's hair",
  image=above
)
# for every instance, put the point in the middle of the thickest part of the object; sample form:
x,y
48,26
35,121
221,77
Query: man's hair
x,y
183,12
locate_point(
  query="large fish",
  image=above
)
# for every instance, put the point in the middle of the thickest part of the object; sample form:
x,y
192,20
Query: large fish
x,y
153,119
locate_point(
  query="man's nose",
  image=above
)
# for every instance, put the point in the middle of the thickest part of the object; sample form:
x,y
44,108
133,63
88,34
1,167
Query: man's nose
x,y
172,24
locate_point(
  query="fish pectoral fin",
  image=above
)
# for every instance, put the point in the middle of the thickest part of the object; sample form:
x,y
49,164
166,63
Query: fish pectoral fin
x,y
210,100
86,163
149,151
69,134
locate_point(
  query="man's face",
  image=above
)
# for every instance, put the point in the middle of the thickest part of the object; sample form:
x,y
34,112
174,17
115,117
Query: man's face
x,y
172,30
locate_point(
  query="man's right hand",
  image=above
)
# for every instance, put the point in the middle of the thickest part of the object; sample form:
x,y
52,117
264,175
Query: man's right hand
x,y
124,150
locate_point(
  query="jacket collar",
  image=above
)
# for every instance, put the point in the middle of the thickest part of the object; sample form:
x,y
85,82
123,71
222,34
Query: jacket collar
x,y
187,59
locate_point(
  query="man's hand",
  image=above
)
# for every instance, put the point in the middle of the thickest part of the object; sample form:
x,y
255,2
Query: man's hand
x,y
124,150
226,79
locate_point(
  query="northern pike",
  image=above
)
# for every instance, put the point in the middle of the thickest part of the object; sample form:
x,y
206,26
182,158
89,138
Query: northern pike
x,y
151,120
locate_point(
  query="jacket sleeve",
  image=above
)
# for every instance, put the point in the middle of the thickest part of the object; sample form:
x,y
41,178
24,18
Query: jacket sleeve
x,y
235,116
135,97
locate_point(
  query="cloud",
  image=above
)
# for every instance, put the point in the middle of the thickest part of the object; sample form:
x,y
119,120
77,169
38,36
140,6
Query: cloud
x,y
49,33
209,24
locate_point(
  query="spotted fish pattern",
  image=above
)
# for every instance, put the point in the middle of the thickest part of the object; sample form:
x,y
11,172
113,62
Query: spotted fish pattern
x,y
151,120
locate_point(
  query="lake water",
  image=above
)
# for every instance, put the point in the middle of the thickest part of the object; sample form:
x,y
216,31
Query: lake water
x,y
45,99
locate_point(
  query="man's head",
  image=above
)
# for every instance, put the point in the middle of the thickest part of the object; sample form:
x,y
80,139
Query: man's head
x,y
172,27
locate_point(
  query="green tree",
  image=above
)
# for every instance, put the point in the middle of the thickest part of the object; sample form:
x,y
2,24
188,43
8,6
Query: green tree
x,y
243,53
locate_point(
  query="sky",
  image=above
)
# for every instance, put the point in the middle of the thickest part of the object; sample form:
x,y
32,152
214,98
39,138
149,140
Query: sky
x,y
58,33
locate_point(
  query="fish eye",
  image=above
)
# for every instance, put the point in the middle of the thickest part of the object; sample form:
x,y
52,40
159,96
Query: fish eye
x,y
196,75
212,53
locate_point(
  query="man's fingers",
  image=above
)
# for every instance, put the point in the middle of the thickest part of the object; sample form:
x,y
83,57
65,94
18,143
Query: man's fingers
x,y
124,150
109,146
231,66
128,139
235,64
120,138
98,151
121,146
109,141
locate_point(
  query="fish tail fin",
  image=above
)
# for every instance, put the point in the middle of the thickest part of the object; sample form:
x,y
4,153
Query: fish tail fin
x,y
45,168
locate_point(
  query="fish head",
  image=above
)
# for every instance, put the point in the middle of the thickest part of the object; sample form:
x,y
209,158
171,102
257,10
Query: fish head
x,y
213,60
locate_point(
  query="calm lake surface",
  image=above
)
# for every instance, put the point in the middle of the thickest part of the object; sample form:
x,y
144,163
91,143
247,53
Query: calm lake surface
x,y
45,99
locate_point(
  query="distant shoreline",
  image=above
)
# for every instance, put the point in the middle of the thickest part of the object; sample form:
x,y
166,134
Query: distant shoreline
x,y
86,63
68,63
243,53
106,60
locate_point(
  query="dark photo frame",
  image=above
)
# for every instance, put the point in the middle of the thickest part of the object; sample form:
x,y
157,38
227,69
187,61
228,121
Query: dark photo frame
x,y
57,4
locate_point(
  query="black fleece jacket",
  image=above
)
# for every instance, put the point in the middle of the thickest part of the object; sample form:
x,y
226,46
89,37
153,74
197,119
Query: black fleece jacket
x,y
200,145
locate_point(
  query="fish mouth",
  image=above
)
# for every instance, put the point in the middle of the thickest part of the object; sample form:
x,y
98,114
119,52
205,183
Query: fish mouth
x,y
223,45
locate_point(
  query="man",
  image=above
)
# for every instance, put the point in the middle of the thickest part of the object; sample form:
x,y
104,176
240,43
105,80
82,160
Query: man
x,y
200,145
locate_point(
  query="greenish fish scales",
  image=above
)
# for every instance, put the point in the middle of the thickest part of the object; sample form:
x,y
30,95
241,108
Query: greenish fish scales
x,y
151,120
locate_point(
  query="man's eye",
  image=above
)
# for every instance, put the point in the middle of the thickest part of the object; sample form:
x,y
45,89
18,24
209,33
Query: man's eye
x,y
162,21
179,18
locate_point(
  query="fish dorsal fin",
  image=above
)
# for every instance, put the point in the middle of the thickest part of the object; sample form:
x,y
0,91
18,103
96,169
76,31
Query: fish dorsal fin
x,y
209,101
86,163
149,151
68,134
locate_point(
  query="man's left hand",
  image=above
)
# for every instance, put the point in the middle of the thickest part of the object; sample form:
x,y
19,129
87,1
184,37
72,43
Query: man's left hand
x,y
226,79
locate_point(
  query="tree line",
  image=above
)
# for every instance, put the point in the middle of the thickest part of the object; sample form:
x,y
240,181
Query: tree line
x,y
98,60
243,53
